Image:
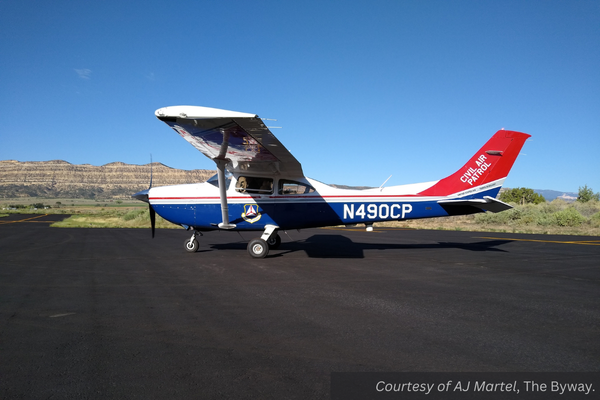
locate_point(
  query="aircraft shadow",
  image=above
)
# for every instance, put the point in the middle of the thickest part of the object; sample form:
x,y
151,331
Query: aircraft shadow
x,y
337,246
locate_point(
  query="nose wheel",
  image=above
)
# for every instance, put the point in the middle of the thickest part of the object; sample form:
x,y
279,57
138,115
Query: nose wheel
x,y
191,245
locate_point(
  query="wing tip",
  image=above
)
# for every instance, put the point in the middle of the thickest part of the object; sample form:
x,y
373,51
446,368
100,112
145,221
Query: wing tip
x,y
198,112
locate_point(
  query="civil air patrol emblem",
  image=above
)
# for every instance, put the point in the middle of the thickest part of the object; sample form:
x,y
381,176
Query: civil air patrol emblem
x,y
251,213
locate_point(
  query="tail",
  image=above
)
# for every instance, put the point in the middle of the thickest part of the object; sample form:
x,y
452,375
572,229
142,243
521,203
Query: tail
x,y
486,171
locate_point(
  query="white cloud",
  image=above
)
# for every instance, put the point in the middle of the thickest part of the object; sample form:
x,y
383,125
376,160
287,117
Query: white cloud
x,y
84,73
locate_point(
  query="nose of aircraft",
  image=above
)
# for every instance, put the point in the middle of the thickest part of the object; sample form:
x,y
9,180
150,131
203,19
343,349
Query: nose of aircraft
x,y
142,196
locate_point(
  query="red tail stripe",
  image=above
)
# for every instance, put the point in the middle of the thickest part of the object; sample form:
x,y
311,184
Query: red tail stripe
x,y
492,162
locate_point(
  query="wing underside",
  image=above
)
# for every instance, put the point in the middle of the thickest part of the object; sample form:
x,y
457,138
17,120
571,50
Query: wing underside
x,y
242,139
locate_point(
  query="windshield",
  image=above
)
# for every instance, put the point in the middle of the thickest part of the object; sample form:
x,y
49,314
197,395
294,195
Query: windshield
x,y
214,180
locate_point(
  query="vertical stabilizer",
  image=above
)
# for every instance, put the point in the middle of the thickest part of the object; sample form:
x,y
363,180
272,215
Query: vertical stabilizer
x,y
490,164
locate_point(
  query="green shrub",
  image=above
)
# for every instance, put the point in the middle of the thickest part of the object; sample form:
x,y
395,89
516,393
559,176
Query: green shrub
x,y
557,213
569,217
135,214
588,208
595,220
554,206
521,196
587,194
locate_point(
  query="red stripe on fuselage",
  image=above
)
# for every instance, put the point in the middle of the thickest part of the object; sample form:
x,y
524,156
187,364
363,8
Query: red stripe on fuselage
x,y
293,197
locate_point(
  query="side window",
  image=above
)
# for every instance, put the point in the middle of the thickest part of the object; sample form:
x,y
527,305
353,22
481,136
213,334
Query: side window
x,y
252,184
292,187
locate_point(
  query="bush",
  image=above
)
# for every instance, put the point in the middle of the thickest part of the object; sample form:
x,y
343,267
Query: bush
x,y
595,220
569,217
588,208
135,214
508,217
521,196
587,194
556,213
554,206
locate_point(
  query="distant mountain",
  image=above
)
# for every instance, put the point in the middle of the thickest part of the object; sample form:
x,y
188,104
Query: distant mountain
x,y
61,179
550,195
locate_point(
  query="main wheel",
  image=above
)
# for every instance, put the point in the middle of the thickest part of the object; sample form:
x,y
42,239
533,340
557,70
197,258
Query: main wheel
x,y
258,248
274,241
191,246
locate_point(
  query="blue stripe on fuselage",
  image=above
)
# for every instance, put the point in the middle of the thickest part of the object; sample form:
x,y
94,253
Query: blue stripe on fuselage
x,y
289,214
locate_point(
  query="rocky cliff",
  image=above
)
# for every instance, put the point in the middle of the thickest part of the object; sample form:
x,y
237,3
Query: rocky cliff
x,y
60,179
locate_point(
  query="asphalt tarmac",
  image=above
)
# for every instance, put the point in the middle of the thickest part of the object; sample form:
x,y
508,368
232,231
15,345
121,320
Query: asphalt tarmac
x,y
112,313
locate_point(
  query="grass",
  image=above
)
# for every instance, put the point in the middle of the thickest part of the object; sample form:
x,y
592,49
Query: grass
x,y
91,213
556,217
136,217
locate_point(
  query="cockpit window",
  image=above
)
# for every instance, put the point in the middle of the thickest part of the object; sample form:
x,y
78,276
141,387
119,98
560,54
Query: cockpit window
x,y
214,180
293,187
252,184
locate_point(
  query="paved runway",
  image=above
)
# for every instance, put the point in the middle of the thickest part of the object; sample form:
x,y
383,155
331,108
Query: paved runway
x,y
111,313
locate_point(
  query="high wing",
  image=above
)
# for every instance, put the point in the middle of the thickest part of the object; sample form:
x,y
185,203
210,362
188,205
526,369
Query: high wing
x,y
241,139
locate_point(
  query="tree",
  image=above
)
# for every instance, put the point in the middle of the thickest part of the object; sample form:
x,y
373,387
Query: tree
x,y
521,196
586,194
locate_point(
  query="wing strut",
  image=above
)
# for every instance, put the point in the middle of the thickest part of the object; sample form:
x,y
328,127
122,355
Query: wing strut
x,y
221,163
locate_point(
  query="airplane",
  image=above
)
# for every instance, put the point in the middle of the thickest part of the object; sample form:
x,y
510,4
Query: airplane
x,y
260,186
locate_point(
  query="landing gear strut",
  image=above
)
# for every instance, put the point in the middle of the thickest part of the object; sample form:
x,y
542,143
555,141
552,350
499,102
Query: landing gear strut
x,y
259,247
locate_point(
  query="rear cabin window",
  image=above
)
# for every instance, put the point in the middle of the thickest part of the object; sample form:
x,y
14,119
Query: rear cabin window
x,y
252,184
293,187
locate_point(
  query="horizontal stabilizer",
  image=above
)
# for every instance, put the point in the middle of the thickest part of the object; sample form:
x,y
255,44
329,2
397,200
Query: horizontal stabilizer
x,y
486,204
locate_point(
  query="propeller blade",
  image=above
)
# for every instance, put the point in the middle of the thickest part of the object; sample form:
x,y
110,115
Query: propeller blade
x,y
150,187
152,218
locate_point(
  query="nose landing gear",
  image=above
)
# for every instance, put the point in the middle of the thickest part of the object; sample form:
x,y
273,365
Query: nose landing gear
x,y
191,245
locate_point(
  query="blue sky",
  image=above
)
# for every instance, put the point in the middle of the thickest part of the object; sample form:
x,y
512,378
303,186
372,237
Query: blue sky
x,y
361,89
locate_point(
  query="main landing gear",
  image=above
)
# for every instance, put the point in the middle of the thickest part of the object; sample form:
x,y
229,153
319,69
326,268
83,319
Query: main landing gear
x,y
259,247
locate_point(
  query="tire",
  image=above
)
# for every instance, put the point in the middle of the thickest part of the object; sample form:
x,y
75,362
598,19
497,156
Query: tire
x,y
258,248
191,246
274,241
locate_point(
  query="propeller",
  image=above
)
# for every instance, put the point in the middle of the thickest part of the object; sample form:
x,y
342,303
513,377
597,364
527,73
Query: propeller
x,y
152,212
144,196
152,218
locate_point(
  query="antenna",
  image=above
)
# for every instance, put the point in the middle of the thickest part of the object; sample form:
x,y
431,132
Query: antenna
x,y
381,187
271,119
